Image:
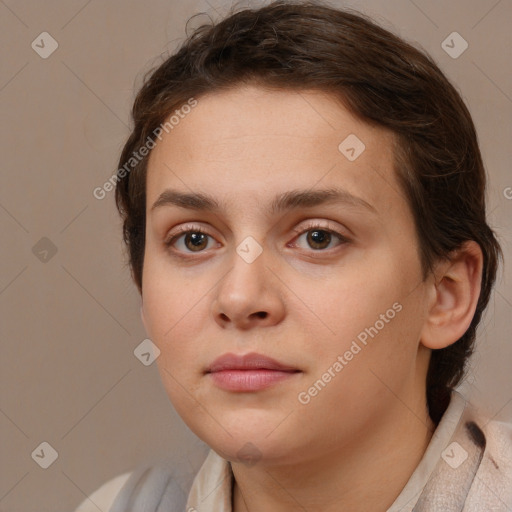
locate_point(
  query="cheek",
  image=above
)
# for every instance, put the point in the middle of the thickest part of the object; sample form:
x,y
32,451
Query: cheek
x,y
342,307
369,317
169,296
174,316
173,309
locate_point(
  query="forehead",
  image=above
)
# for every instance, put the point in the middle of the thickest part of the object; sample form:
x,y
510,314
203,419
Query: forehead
x,y
260,142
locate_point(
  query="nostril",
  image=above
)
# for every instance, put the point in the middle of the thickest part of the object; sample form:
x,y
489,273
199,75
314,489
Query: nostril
x,y
258,314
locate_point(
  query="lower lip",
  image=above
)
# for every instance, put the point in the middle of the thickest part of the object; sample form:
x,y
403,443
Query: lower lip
x,y
249,380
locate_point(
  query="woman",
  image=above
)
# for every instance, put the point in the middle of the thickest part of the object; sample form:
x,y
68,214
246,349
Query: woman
x,y
303,205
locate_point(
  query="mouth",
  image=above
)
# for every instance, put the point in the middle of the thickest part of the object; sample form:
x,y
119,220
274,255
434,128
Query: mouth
x,y
250,372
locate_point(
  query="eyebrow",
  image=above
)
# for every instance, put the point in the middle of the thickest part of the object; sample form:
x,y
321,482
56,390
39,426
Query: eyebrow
x,y
293,199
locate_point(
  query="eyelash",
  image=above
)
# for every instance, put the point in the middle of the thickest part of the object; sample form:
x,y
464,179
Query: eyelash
x,y
183,230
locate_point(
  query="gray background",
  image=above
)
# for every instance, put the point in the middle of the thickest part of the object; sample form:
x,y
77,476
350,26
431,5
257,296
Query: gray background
x,y
70,320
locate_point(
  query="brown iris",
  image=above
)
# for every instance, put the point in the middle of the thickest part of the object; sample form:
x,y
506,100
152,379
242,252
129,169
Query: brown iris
x,y
196,241
318,239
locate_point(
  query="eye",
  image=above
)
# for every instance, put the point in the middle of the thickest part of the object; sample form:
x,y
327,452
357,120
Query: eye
x,y
189,239
320,238
193,239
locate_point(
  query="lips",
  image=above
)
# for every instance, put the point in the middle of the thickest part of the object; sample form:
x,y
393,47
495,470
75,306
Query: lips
x,y
250,361
249,372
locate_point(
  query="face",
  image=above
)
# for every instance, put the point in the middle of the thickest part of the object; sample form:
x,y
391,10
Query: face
x,y
272,232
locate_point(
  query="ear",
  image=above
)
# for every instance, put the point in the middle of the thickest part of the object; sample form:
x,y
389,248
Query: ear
x,y
455,291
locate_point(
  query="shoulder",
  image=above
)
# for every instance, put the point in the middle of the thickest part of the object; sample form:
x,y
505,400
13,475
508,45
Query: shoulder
x,y
104,497
157,484
493,482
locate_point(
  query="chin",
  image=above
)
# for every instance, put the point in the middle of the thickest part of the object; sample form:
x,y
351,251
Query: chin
x,y
250,451
247,438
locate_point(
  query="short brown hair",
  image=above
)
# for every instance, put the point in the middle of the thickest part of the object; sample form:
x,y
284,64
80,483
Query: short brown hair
x,y
382,80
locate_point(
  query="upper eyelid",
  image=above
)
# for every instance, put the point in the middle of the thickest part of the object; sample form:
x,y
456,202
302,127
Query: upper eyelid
x,y
183,230
316,225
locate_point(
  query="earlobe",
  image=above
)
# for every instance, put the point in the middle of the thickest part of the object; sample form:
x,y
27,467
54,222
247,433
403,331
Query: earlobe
x,y
456,289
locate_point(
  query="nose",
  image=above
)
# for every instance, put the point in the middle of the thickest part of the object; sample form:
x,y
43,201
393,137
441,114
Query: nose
x,y
248,296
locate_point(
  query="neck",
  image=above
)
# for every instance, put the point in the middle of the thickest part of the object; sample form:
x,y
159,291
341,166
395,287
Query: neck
x,y
366,474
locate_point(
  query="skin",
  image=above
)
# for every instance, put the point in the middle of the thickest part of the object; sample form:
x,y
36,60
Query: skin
x,y
356,443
